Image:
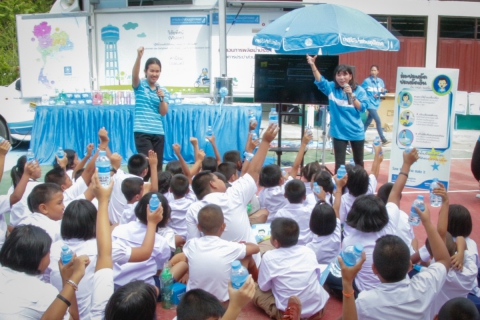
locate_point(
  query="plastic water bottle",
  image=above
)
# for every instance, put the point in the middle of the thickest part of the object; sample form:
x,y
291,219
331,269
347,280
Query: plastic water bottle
x,y
350,255
66,255
309,132
154,202
238,275
284,173
30,156
273,117
376,141
408,148
254,135
341,172
103,166
435,200
2,139
316,188
60,153
352,162
166,279
414,218
209,132
252,118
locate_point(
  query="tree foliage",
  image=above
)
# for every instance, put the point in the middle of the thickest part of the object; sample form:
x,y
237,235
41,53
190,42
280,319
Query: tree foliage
x,y
9,65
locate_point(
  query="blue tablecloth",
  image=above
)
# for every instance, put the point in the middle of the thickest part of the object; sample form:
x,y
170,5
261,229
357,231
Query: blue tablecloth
x,y
74,127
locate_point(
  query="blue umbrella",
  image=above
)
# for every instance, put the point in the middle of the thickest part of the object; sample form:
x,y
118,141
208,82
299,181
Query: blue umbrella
x,y
325,29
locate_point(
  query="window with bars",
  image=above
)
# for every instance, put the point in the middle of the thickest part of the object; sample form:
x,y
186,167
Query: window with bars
x,y
460,28
404,26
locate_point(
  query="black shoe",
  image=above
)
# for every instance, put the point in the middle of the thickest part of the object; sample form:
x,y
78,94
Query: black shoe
x,y
385,142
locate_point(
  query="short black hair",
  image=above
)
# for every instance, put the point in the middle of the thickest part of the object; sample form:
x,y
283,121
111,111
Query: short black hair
x,y
131,187
210,163
57,175
201,184
295,191
228,169
285,231
210,219
79,173
459,221
458,309
174,166
179,185
357,182
42,193
384,191
323,220
309,170
232,156
25,248
197,304
137,164
71,158
141,209
222,177
135,300
79,220
270,176
368,214
164,179
449,243
391,258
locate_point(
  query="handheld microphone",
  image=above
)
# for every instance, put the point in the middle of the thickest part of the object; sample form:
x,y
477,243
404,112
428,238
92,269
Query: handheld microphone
x,y
349,95
157,86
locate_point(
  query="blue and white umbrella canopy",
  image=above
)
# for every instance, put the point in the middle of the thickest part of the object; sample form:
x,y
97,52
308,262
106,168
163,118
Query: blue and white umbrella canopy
x,y
325,29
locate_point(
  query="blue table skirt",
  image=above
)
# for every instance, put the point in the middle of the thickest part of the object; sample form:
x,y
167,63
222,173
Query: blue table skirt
x,y
74,127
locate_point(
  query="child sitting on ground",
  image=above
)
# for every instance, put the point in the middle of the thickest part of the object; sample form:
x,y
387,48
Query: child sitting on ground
x,y
132,189
179,188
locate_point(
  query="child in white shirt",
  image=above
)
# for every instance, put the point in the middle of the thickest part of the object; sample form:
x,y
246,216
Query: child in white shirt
x,y
132,189
272,197
179,188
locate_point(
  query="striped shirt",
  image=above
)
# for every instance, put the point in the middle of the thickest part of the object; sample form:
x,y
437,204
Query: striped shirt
x,y
373,87
147,118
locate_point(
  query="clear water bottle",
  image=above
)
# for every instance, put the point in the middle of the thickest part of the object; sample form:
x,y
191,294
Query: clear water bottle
x,y
30,156
273,117
376,141
254,135
66,255
209,132
60,153
284,173
309,132
352,162
238,274
408,148
252,118
316,188
2,139
435,200
103,166
414,218
341,172
350,256
166,279
154,202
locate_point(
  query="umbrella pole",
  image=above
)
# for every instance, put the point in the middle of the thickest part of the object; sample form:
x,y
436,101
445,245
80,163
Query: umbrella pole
x,y
324,132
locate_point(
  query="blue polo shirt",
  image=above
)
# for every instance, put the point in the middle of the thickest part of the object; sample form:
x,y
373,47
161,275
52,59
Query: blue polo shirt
x,y
147,118
373,87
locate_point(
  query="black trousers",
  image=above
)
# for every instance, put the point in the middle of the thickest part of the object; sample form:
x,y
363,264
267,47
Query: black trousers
x,y
476,161
145,142
340,149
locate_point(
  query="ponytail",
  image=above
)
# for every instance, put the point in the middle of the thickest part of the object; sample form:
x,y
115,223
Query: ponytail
x,y
17,170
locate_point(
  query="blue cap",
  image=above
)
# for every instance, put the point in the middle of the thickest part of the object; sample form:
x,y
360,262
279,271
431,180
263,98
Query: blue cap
x,y
64,247
358,247
236,264
420,197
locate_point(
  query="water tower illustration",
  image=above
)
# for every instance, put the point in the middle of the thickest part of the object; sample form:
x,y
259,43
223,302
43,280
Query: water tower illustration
x,y
110,36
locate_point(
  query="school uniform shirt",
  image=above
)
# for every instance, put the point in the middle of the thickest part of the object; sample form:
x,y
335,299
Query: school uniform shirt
x,y
406,299
405,230
327,248
132,235
24,296
84,293
348,199
69,173
178,220
210,262
147,118
128,214
75,191
169,235
345,120
190,195
20,209
373,86
300,213
102,291
366,279
117,200
293,271
51,227
4,208
273,199
312,200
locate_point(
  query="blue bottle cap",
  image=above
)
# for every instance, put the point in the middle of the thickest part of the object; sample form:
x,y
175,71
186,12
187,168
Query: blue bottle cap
x,y
64,247
236,264
420,197
358,247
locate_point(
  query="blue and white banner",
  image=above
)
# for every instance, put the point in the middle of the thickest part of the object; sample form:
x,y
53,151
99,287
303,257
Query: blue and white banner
x,y
424,116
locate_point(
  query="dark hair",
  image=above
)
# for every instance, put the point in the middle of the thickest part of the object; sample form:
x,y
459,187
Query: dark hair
x,y
131,187
137,164
347,69
357,182
79,220
179,185
17,170
391,258
374,65
152,61
384,191
368,214
232,156
285,231
405,95
222,177
449,243
442,78
174,167
460,308
210,219
295,191
42,193
228,169
135,300
459,221
209,163
201,184
79,173
270,176
164,179
197,304
323,220
141,209
324,179
311,169
57,175
25,248
71,158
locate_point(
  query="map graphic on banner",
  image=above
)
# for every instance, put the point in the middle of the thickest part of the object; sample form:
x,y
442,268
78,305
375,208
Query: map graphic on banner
x,y
424,116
